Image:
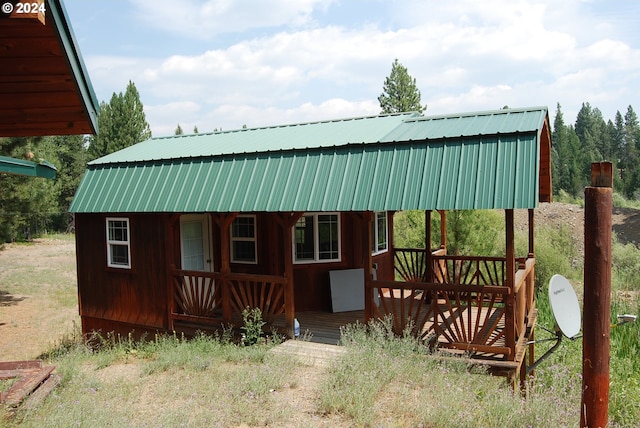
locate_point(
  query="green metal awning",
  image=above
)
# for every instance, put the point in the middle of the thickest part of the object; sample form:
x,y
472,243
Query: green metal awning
x,y
365,164
23,167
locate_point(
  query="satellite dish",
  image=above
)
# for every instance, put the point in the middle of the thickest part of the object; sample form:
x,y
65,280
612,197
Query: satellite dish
x,y
564,306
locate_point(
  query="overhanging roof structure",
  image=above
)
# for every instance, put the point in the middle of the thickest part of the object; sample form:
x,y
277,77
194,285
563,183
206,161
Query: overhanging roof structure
x,y
44,85
23,167
485,160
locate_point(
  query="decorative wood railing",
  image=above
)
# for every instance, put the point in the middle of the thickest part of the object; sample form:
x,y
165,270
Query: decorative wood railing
x,y
257,291
467,305
214,297
197,296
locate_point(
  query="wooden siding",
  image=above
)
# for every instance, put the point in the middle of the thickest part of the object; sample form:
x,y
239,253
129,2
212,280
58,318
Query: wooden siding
x,y
138,299
136,296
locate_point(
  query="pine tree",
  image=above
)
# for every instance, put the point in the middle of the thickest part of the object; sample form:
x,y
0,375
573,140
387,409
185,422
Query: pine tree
x,y
630,170
400,92
121,123
178,130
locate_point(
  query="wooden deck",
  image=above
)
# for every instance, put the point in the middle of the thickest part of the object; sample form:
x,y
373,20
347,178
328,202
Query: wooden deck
x,y
324,328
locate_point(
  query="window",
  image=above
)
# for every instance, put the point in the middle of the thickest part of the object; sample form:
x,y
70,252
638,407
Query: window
x,y
379,232
243,239
118,244
316,238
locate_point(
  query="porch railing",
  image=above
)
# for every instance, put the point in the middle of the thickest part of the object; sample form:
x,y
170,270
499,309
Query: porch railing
x,y
215,298
467,305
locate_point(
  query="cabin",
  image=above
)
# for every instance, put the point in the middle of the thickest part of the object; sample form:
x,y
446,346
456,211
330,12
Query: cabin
x,y
182,233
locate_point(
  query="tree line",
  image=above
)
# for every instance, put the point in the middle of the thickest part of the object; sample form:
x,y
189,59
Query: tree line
x,y
592,139
31,206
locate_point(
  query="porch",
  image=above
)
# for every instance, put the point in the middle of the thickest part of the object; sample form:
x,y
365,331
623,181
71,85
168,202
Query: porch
x,y
464,305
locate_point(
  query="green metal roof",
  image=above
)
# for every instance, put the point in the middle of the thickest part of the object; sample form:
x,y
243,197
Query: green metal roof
x,y
253,140
23,167
478,161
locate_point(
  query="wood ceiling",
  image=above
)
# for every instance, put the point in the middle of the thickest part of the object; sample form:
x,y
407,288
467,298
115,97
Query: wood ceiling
x,y
44,86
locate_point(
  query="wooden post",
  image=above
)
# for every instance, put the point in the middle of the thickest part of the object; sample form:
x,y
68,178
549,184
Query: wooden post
x,y
597,297
443,229
223,221
531,233
510,310
428,257
288,221
367,262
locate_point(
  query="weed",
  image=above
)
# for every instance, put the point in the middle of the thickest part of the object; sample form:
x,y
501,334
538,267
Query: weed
x,y
252,325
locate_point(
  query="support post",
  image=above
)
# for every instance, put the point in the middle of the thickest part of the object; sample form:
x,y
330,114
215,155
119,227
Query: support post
x,y
367,262
443,229
288,221
428,257
223,221
531,233
510,279
597,297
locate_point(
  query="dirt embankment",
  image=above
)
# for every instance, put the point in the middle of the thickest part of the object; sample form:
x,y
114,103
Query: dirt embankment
x,y
625,221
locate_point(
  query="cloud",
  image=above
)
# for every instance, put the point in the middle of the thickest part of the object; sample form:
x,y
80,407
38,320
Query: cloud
x,y
464,55
205,19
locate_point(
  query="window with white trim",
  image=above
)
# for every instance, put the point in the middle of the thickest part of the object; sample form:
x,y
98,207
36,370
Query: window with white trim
x,y
118,243
316,238
379,232
243,239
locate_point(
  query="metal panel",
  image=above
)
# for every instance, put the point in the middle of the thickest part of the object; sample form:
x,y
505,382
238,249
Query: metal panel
x,y
23,167
493,170
253,140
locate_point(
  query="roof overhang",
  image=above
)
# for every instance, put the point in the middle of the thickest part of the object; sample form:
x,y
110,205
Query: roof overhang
x,y
44,85
23,167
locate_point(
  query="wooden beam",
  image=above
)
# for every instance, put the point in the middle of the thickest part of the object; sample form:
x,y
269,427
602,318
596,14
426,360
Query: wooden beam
x,y
531,233
287,221
596,326
427,254
223,221
510,335
367,264
443,229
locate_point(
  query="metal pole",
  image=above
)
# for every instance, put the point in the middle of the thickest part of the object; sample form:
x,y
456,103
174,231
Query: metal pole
x,y
597,297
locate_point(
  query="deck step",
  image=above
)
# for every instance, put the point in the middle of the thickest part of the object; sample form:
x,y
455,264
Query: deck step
x,y
309,353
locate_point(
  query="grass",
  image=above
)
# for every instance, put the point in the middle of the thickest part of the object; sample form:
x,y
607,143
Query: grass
x,y
168,381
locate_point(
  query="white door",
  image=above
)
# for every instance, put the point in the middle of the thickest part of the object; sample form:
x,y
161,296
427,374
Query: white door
x,y
194,242
196,296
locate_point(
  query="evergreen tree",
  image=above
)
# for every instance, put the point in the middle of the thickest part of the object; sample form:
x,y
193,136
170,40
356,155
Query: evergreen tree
x,y
178,130
121,123
195,129
630,170
400,92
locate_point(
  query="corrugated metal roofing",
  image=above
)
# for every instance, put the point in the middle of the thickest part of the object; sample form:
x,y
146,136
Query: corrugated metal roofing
x,y
23,167
411,166
253,140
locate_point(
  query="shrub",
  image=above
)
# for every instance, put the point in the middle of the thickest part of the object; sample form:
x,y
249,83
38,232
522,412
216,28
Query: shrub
x,y
252,325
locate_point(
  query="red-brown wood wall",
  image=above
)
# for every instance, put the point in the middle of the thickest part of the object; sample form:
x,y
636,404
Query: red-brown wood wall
x,y
122,300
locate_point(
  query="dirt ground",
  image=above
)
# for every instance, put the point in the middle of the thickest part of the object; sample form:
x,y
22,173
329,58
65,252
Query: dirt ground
x,y
34,278
38,302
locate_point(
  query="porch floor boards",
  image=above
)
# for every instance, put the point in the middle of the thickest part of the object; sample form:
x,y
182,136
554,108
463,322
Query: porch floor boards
x,y
324,327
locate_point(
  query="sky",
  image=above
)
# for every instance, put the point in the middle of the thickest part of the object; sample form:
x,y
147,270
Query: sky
x,y
224,64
